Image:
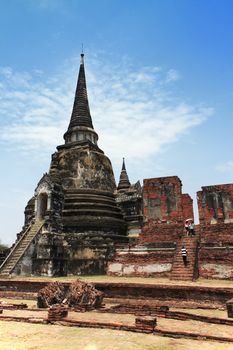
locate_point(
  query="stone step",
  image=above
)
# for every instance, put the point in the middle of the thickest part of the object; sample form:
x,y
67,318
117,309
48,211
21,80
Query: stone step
x,y
188,268
180,262
87,206
181,279
178,265
184,273
99,199
92,212
19,249
187,245
182,265
88,192
88,196
183,270
179,270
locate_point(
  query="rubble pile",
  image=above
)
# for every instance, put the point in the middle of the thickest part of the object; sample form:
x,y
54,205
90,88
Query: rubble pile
x,y
84,295
80,295
57,312
52,294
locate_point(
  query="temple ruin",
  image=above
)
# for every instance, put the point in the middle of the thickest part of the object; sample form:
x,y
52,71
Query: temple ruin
x,y
79,222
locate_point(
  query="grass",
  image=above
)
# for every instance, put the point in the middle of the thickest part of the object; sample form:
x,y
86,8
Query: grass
x,y
204,312
144,280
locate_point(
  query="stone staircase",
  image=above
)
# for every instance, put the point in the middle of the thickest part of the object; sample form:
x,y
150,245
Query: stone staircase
x,y
179,270
20,247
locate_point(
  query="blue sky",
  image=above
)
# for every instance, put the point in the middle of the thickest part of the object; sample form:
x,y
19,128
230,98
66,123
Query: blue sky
x,y
159,76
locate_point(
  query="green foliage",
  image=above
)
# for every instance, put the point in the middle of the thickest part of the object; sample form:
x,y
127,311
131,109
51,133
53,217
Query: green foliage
x,y
3,247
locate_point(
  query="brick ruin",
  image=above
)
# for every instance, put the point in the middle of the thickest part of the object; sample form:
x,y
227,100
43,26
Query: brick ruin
x,y
79,222
157,250
215,204
165,209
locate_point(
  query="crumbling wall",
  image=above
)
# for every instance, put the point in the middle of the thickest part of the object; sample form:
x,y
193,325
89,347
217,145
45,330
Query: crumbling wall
x,y
83,168
142,261
89,253
163,199
166,233
165,209
215,205
187,206
74,254
216,251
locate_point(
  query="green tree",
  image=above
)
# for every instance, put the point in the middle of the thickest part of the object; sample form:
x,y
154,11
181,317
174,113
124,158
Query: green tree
x,y
3,246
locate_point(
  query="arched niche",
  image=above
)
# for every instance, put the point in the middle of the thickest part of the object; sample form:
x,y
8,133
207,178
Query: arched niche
x,y
42,205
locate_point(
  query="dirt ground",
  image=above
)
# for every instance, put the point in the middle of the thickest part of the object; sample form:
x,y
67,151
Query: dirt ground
x,y
23,336
147,280
196,327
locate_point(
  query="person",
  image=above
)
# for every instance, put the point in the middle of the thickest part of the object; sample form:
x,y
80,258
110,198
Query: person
x,y
186,226
184,255
191,229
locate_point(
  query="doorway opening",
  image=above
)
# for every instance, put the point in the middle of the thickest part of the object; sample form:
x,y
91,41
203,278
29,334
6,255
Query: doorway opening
x,y
42,205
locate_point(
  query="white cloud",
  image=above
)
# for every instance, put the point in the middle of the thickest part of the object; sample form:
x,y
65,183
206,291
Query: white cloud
x,y
133,111
172,75
225,167
45,4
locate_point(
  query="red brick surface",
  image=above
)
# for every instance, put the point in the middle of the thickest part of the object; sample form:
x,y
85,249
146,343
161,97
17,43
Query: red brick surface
x,y
216,251
215,203
165,209
164,194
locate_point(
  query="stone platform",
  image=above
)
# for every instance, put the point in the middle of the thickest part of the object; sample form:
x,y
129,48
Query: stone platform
x,y
184,295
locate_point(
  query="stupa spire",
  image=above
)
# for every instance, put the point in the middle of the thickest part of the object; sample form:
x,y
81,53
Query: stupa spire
x,y
80,128
81,115
124,183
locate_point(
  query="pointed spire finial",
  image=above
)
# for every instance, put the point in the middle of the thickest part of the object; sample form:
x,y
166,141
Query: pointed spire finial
x,y
82,56
81,116
123,164
124,183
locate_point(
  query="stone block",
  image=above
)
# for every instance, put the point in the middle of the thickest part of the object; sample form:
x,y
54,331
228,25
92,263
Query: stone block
x,y
146,323
229,304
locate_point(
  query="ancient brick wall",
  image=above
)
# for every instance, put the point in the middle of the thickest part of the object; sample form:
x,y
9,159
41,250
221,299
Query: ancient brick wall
x,y
216,251
142,262
162,199
166,232
165,209
215,204
187,206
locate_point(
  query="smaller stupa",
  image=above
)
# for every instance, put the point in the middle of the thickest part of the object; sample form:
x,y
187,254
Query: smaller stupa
x,y
129,199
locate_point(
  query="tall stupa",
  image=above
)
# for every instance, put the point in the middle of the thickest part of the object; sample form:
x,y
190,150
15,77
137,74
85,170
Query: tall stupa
x,y
72,222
